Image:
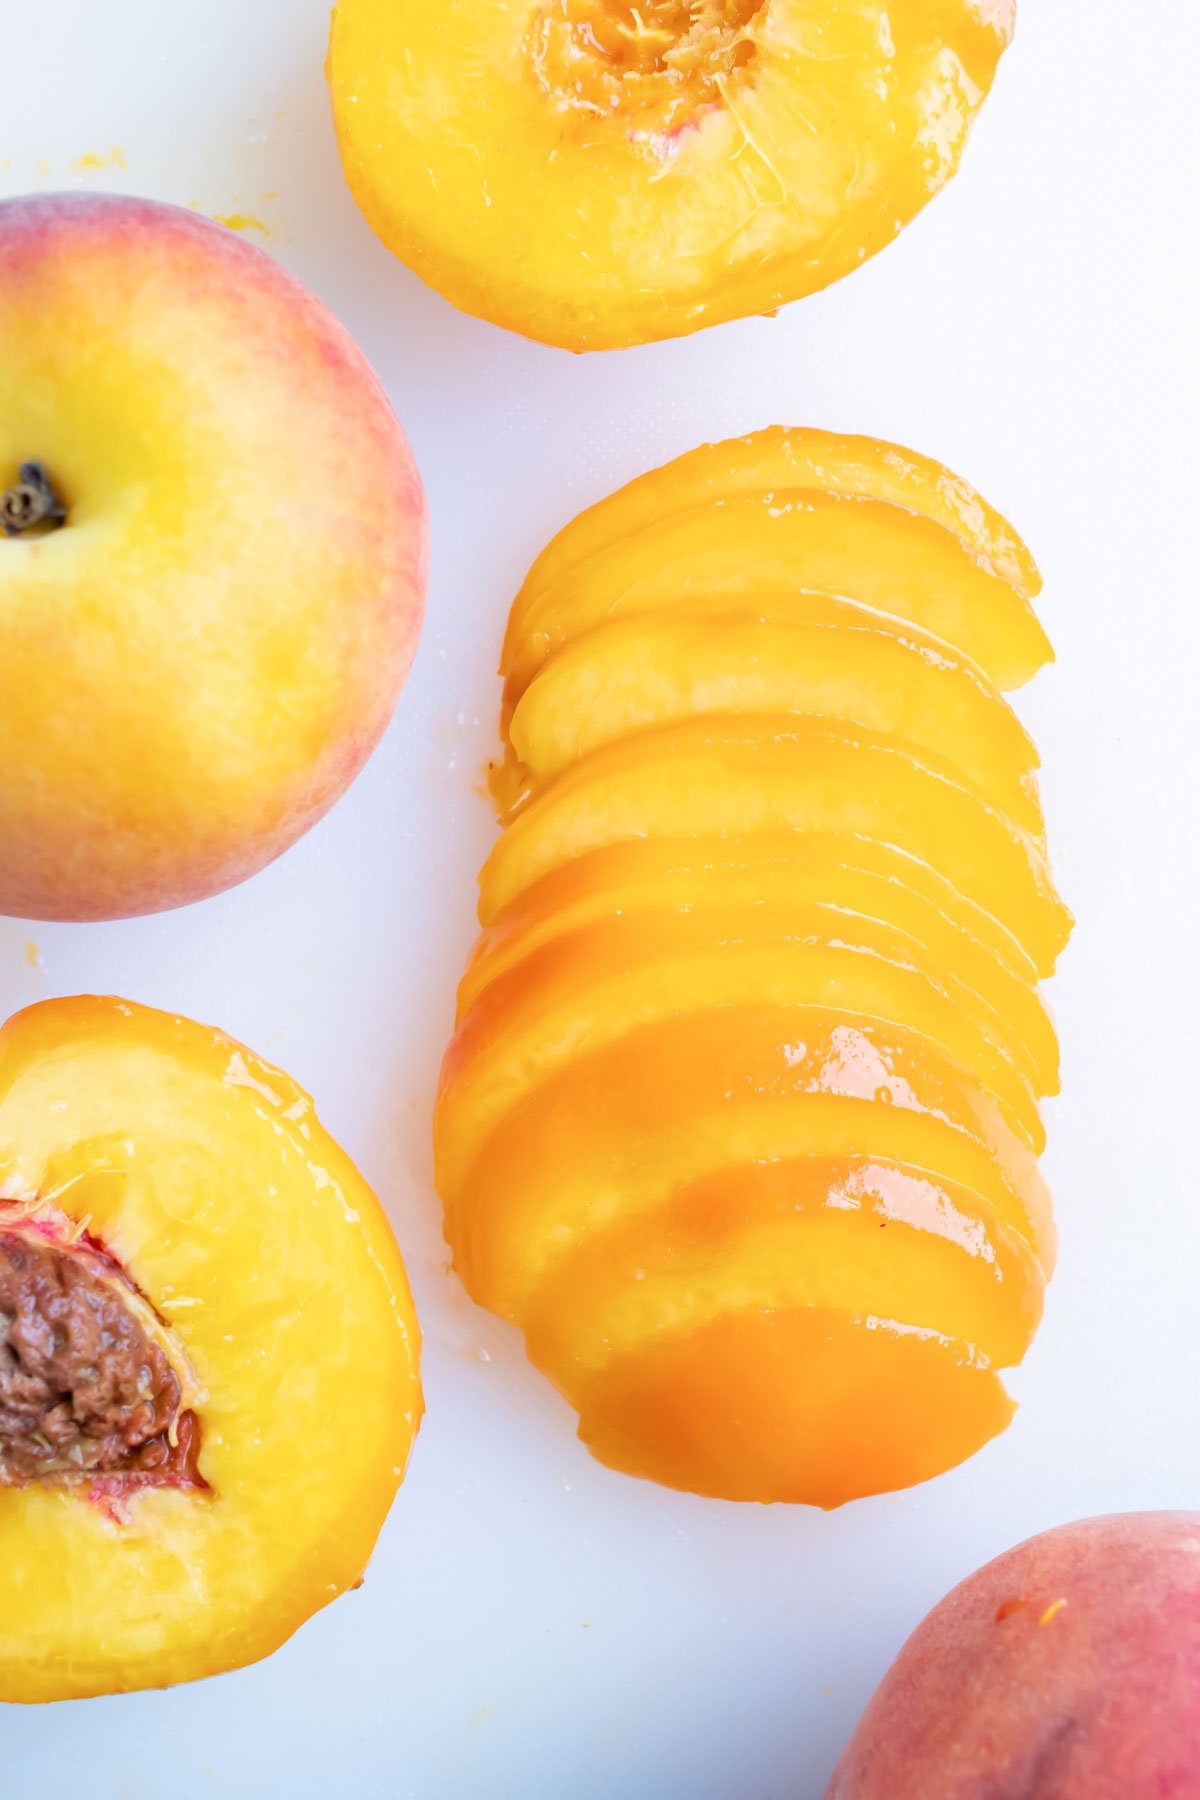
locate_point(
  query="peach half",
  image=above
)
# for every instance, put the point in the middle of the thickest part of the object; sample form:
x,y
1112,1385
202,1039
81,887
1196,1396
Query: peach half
x,y
209,1376
595,173
212,558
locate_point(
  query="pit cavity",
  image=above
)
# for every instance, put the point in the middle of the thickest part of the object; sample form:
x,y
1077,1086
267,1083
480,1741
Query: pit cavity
x,y
652,65
94,1386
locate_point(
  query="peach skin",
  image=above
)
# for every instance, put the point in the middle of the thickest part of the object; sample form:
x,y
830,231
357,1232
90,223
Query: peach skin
x,y
212,558
1068,1667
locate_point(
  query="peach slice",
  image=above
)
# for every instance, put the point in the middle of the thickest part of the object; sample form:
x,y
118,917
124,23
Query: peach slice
x,y
597,173
615,1132
912,894
836,1234
157,1170
748,775
790,459
754,545
796,1405
642,879
597,984
830,659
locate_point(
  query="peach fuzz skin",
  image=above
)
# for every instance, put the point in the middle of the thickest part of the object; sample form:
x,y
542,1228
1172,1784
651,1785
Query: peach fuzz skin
x,y
203,655
1069,1669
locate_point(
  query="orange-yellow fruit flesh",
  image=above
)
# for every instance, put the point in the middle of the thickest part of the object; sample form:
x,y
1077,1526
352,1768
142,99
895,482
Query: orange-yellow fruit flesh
x,y
797,1405
740,1120
595,173
790,459
614,1133
597,984
840,1235
773,858
208,1176
849,876
745,776
829,660
752,545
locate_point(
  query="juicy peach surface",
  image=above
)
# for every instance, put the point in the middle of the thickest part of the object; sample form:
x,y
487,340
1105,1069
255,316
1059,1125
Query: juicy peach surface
x,y
596,173
741,1115
267,1265
1069,1667
202,656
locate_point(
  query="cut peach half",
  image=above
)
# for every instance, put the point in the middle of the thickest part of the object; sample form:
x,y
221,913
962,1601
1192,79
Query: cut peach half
x,y
749,546
844,1234
789,459
747,775
155,1167
615,1132
596,173
598,984
830,659
652,876
799,1405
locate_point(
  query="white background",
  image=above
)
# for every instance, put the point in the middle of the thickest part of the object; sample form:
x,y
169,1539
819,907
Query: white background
x,y
534,1627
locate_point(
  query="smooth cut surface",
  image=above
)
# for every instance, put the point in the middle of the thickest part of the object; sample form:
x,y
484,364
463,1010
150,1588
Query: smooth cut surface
x,y
207,1174
596,173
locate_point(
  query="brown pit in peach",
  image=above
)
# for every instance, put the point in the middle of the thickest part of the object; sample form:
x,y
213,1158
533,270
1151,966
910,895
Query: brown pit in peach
x,y
655,64
92,1386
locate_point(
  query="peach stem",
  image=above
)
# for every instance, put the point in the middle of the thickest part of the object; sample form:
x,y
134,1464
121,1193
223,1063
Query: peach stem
x,y
30,501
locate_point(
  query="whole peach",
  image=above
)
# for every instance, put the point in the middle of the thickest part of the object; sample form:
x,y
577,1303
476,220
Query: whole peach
x,y
1069,1669
205,636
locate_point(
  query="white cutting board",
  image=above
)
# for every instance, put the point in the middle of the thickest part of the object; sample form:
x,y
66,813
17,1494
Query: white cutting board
x,y
534,1627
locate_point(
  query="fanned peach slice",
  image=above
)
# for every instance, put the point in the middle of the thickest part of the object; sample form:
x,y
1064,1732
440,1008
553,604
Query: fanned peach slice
x,y
615,1132
753,545
603,981
749,775
842,877
799,1405
597,173
740,1119
840,1234
208,1376
830,660
789,459
630,873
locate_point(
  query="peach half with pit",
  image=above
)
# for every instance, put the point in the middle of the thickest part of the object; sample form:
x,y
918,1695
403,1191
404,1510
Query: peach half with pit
x,y
596,173
209,1380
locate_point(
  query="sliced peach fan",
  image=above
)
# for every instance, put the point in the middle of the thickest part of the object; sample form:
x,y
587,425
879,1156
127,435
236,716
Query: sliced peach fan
x,y
740,1119
208,614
